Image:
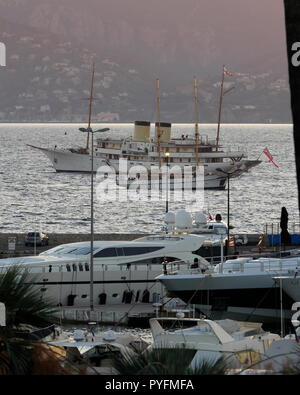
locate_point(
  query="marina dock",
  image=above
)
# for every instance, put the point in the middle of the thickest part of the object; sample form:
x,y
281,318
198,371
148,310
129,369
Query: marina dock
x,y
136,315
13,244
133,315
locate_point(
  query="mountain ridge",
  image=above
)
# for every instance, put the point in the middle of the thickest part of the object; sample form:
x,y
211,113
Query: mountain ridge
x,y
50,47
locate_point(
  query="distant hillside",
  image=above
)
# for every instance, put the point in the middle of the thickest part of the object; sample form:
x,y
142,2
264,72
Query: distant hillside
x,y
50,45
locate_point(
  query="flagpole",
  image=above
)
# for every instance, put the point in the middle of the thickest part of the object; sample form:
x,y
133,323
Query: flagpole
x,y
269,156
260,156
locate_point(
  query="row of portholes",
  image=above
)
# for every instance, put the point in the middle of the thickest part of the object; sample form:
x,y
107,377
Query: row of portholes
x,y
127,297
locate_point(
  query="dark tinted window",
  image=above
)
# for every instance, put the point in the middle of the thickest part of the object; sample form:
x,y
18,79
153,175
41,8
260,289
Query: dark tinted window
x,y
139,250
82,251
127,251
120,251
150,261
107,252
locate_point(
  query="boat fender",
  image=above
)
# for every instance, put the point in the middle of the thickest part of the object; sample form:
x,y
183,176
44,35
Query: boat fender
x,y
110,336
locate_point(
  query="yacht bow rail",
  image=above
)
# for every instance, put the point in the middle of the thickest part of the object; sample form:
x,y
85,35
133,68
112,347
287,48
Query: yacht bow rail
x,y
263,265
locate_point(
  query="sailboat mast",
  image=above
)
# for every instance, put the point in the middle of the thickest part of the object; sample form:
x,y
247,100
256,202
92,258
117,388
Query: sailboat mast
x,y
158,121
196,100
90,105
220,108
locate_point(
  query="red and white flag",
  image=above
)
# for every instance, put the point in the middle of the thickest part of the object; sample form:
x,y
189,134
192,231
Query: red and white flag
x,y
227,72
270,157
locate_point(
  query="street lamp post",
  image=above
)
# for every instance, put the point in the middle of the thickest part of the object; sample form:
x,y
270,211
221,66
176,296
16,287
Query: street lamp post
x,y
228,175
167,183
89,130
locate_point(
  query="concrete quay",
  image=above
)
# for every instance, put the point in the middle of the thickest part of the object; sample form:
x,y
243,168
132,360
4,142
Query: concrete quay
x,y
56,239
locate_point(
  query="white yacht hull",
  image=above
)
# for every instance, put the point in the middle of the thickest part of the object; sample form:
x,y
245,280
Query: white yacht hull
x,y
117,283
239,295
67,161
123,271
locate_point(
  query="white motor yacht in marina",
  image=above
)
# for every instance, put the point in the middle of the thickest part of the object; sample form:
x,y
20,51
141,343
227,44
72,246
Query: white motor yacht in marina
x,y
243,289
97,348
123,271
239,343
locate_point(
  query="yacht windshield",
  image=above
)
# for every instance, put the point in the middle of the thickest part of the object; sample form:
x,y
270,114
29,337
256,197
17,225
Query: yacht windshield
x,y
221,230
68,250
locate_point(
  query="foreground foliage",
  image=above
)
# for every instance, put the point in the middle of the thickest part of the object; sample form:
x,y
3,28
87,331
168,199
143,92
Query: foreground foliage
x,y
24,304
162,361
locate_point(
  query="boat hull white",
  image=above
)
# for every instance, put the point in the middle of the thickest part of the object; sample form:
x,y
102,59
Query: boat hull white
x,y
112,284
67,161
236,296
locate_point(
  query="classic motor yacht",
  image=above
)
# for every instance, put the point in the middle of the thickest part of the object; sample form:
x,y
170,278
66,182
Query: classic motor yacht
x,y
153,151
142,150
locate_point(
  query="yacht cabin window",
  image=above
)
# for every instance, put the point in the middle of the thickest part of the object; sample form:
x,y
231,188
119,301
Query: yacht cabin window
x,y
62,250
125,251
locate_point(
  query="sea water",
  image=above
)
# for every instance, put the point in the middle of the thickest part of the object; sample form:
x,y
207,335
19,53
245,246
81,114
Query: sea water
x,y
34,197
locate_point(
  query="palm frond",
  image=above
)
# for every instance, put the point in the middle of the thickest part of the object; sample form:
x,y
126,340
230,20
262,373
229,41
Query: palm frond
x,y
22,301
164,361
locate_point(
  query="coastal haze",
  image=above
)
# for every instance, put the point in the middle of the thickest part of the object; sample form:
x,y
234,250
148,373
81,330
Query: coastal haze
x,y
51,44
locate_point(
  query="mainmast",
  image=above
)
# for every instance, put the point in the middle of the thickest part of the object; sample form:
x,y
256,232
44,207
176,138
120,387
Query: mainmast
x,y
196,100
158,135
90,106
220,108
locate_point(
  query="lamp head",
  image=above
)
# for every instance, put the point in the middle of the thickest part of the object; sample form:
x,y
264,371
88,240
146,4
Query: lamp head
x,y
101,130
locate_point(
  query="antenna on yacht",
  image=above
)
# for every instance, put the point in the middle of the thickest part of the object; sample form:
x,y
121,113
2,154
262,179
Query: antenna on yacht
x,y
91,99
196,99
158,120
